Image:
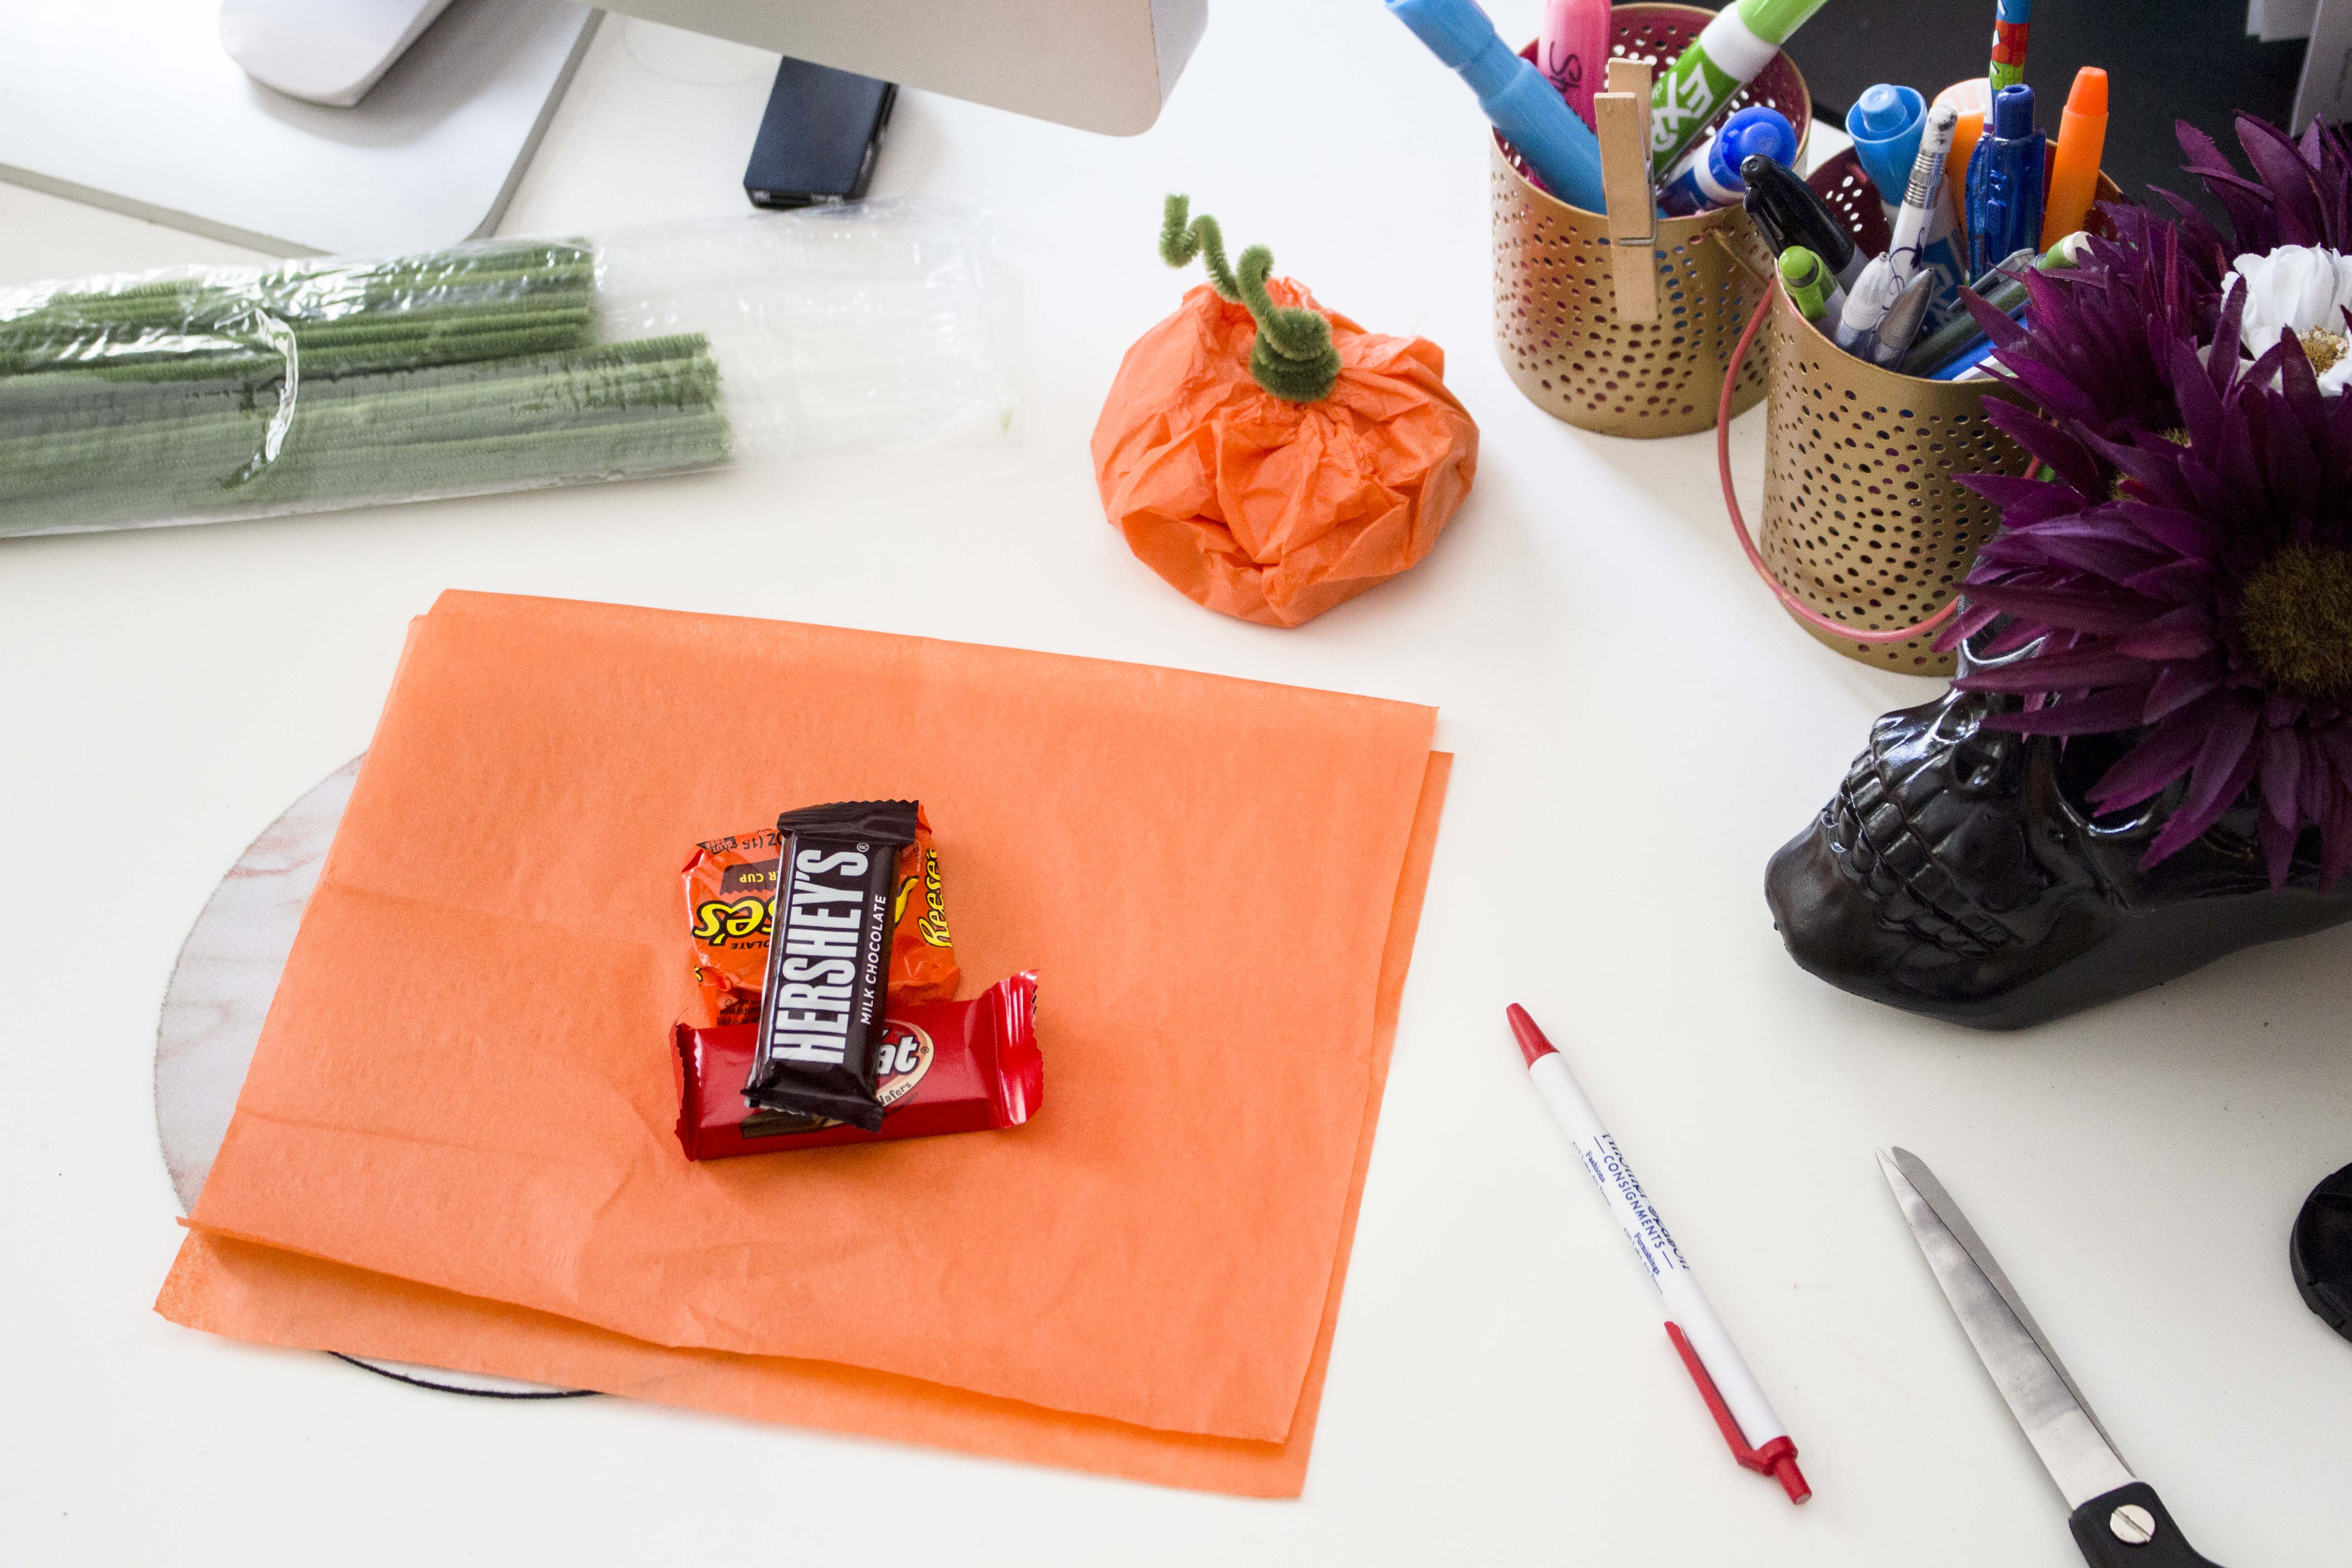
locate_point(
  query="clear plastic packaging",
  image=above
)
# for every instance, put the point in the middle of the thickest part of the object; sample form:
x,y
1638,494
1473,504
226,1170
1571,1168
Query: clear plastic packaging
x,y
203,394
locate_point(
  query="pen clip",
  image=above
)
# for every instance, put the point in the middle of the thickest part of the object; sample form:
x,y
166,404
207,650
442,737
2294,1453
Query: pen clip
x,y
1777,1459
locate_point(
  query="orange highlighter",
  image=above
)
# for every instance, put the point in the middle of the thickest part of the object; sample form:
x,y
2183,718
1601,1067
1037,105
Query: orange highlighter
x,y
1972,99
2074,172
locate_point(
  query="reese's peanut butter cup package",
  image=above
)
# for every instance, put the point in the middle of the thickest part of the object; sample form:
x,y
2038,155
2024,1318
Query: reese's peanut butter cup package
x,y
730,901
828,960
943,1066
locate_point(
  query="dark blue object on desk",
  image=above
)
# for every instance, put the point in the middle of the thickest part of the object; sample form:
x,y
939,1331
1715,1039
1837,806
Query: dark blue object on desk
x,y
818,140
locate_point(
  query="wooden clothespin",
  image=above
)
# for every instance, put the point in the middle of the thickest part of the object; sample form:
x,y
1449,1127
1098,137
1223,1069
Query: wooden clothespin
x,y
1621,116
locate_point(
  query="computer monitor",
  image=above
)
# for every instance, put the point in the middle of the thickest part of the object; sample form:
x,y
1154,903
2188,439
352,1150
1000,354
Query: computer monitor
x,y
1098,64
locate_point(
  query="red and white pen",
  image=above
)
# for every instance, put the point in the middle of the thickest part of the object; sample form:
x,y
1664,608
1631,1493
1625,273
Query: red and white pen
x,y
1757,1437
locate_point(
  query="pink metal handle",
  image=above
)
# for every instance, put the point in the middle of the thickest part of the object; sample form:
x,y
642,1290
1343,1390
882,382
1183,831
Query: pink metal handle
x,y
1795,607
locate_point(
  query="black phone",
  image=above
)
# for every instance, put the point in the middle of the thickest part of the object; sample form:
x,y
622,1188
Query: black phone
x,y
819,138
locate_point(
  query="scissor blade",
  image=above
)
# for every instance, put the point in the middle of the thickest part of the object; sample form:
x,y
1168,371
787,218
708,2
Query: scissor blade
x,y
2075,1449
1948,1209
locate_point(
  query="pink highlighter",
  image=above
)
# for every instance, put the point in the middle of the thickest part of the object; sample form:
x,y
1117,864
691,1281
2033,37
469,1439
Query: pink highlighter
x,y
1572,50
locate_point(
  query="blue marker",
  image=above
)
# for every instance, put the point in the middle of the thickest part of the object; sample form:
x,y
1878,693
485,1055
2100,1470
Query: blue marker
x,y
1709,177
1885,123
2005,180
1528,109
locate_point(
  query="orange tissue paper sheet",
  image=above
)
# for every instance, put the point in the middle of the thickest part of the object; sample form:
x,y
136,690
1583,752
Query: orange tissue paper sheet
x,y
282,1297
462,1094
1271,510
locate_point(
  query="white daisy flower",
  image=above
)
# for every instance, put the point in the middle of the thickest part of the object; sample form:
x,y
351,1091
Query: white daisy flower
x,y
2303,289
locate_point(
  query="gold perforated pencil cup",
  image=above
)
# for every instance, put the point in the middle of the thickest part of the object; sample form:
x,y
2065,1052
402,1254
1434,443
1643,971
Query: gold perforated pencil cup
x,y
1557,325
1865,522
1866,533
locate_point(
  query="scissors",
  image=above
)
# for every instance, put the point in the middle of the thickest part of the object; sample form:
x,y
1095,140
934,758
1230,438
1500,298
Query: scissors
x,y
2118,1521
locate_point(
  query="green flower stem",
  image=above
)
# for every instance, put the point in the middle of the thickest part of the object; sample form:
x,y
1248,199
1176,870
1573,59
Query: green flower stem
x,y
1293,357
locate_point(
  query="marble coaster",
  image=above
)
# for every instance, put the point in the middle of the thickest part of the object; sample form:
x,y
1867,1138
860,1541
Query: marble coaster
x,y
214,1007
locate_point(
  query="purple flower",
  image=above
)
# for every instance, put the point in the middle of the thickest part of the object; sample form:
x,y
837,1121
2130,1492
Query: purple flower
x,y
2301,192
2184,553
2203,595
2100,350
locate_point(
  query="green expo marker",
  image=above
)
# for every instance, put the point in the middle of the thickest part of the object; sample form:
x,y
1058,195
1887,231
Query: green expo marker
x,y
1725,56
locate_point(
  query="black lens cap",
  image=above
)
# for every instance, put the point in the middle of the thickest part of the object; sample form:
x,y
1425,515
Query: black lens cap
x,y
2320,1251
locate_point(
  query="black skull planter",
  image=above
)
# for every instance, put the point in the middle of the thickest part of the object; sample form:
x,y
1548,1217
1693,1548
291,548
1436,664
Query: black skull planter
x,y
1960,873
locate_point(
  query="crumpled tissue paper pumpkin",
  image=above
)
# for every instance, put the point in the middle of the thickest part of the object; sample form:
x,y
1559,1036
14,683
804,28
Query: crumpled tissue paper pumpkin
x,y
1269,458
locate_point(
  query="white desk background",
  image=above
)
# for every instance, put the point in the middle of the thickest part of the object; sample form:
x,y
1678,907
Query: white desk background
x,y
1637,727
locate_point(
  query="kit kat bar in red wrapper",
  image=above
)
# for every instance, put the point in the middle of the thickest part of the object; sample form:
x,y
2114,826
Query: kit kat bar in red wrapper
x,y
944,1067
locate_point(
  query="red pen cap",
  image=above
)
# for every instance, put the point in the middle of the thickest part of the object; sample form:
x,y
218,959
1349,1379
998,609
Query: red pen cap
x,y
1532,1043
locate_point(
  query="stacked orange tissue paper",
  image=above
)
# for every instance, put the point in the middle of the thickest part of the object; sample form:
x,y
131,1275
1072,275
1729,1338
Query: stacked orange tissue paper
x,y
455,1146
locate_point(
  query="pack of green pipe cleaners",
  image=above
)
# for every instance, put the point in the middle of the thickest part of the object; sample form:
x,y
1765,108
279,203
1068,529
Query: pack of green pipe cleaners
x,y
201,394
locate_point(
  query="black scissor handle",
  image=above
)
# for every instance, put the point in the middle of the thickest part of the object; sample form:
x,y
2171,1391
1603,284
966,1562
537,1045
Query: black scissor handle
x,y
2128,1528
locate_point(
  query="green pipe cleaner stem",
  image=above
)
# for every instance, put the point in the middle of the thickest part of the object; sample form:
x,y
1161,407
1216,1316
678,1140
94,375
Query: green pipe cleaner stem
x,y
1294,357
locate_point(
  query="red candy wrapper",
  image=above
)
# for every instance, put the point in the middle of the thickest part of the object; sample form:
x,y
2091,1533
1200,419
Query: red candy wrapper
x,y
944,1067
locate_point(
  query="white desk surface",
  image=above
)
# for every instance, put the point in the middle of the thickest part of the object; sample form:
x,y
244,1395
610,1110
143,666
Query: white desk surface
x,y
1636,727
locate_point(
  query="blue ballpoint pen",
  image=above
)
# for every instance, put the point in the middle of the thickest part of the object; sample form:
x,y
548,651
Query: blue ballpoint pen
x,y
1966,360
2005,180
1528,109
